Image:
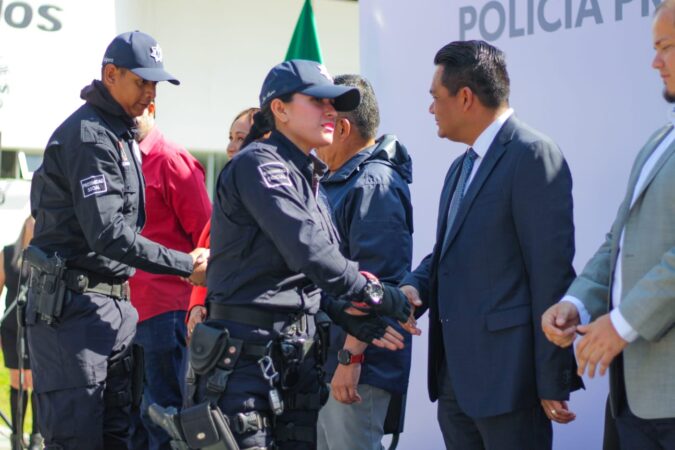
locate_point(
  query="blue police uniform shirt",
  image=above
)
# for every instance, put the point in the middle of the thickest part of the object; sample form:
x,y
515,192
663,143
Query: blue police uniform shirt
x,y
272,235
87,197
370,201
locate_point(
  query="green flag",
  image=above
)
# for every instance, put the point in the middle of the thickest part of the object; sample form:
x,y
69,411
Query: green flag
x,y
305,40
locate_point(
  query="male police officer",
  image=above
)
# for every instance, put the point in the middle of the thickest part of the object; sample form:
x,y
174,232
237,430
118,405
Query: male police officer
x,y
88,202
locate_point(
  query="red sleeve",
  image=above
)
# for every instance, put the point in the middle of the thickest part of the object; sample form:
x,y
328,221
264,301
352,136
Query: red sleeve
x,y
198,295
185,190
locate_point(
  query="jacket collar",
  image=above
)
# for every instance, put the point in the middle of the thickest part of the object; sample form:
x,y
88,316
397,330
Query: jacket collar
x,y
387,150
289,151
351,166
98,96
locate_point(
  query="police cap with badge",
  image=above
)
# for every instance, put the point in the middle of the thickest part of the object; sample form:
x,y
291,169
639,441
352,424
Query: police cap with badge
x,y
141,54
309,78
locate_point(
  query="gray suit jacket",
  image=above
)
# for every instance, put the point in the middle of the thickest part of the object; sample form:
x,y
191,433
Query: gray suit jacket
x,y
648,283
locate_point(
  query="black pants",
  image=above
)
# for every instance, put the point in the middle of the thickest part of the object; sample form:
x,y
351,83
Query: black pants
x,y
79,405
247,390
526,429
634,432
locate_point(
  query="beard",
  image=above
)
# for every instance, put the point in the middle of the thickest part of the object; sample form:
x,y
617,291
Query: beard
x,y
670,98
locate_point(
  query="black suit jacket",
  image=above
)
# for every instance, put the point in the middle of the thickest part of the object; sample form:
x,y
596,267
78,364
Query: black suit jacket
x,y
508,258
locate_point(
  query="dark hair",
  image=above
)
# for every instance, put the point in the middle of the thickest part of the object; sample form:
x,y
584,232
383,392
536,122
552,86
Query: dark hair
x,y
123,70
366,116
478,66
248,112
263,120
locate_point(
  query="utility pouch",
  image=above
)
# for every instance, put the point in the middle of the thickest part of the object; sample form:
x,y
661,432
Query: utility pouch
x,y
205,427
46,282
137,375
207,344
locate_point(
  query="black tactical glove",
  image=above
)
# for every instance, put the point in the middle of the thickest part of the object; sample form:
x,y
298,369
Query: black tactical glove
x,y
383,299
364,328
394,304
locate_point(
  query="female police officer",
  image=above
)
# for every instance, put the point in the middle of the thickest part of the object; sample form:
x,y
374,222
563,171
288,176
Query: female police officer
x,y
273,248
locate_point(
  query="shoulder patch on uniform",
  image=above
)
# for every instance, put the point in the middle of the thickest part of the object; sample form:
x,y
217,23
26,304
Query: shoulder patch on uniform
x,y
275,174
93,185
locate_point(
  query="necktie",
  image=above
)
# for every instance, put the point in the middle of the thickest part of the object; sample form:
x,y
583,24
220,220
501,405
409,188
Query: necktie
x,y
469,157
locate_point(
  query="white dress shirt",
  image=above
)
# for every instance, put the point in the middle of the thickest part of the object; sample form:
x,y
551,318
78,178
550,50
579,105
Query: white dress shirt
x,y
484,141
621,325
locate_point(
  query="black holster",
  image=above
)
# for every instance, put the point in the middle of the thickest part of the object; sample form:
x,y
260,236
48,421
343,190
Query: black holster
x,y
200,427
128,364
46,285
137,375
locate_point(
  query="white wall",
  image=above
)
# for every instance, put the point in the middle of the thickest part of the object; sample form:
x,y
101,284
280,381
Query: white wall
x,y
221,51
590,87
45,69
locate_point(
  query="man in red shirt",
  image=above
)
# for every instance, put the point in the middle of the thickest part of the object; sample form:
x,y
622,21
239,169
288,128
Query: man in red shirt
x,y
177,208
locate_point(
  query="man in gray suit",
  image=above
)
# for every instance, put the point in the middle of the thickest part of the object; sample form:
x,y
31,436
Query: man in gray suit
x,y
627,288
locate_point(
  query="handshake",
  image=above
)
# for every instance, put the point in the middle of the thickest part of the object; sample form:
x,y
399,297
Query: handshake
x,y
200,258
361,316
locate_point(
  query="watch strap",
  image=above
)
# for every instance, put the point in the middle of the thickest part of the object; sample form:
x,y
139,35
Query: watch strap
x,y
357,359
353,359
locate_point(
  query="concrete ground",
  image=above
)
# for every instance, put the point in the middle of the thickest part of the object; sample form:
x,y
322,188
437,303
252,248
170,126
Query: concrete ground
x,y
4,438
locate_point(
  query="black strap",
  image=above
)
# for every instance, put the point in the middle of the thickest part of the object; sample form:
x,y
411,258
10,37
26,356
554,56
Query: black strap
x,y
254,351
216,383
251,316
121,367
82,281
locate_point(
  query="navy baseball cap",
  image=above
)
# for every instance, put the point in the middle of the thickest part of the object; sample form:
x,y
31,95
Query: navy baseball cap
x,y
309,78
140,53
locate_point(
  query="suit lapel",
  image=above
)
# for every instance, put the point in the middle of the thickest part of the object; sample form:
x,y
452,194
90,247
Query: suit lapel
x,y
659,164
626,206
492,156
446,196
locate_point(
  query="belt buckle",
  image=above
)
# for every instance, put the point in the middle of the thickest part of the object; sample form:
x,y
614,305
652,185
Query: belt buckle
x,y
310,289
242,423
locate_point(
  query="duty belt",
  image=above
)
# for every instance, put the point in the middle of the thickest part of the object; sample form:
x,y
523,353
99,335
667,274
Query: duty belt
x,y
251,316
82,281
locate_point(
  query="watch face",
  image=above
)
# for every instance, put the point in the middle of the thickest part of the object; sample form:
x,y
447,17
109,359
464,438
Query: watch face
x,y
344,357
375,292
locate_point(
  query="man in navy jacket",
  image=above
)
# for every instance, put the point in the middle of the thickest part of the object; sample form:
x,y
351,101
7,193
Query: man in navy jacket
x,y
367,189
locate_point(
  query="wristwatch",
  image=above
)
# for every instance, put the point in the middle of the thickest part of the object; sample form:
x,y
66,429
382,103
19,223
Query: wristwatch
x,y
345,357
373,292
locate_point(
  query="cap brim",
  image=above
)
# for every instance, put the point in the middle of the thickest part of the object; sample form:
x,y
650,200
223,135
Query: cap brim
x,y
346,98
155,74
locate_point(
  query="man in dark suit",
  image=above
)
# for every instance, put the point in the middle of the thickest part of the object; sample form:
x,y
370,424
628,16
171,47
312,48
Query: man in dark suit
x,y
503,255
